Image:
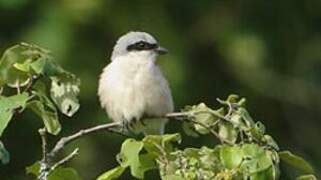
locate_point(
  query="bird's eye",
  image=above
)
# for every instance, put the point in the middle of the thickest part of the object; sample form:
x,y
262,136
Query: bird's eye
x,y
141,45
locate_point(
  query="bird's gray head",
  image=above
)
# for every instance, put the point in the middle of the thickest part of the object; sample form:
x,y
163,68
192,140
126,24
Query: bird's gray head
x,y
137,43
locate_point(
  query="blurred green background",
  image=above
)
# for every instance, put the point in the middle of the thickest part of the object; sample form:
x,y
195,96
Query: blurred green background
x,y
267,51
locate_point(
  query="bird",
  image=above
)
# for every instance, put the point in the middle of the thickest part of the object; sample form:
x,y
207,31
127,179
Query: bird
x,y
132,88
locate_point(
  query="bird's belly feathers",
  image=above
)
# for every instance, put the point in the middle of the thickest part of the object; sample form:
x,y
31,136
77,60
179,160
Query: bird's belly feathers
x,y
138,91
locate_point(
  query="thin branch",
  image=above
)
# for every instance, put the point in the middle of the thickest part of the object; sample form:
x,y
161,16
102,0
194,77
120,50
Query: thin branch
x,y
44,164
65,159
43,136
68,139
178,115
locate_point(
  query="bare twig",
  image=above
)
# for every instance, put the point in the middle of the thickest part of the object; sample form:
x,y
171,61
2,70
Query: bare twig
x,y
44,164
66,140
65,159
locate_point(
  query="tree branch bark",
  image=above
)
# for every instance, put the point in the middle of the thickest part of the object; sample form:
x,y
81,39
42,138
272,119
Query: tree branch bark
x,y
68,139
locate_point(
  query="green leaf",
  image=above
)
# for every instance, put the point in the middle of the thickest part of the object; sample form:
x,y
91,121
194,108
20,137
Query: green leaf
x,y
231,156
61,173
64,91
189,130
147,161
129,157
249,122
263,175
296,162
228,132
270,142
256,159
45,108
112,174
49,116
46,66
172,177
25,66
307,177
10,75
206,119
203,115
7,107
16,63
33,169
4,154
153,143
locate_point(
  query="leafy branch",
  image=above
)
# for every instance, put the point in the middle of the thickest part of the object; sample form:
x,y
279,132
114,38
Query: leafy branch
x,y
244,150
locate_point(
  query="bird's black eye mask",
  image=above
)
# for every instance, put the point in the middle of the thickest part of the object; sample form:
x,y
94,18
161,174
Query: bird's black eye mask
x,y
141,45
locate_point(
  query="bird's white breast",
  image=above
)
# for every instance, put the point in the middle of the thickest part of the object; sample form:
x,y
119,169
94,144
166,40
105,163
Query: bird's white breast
x,y
130,88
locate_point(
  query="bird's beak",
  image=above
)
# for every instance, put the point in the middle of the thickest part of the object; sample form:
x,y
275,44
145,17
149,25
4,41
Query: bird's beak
x,y
160,50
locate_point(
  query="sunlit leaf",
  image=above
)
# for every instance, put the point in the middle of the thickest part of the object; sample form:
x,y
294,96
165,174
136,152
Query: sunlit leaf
x,y
256,159
296,161
64,91
8,105
25,66
129,157
112,174
231,156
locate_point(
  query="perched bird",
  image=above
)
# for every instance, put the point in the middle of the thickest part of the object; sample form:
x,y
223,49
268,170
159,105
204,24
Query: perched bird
x,y
132,88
